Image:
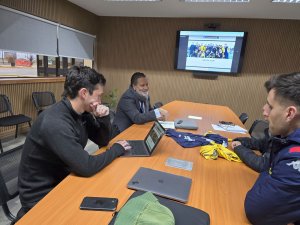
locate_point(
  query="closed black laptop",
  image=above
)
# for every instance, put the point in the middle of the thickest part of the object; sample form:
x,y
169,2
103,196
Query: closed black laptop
x,y
146,147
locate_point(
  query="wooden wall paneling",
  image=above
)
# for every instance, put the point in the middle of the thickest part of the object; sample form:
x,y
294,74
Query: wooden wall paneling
x,y
60,11
21,100
126,45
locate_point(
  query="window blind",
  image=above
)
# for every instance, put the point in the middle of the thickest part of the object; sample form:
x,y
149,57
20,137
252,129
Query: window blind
x,y
75,44
25,33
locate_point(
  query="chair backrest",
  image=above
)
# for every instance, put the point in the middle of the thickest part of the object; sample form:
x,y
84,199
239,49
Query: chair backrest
x,y
5,105
157,105
9,168
43,99
257,130
243,117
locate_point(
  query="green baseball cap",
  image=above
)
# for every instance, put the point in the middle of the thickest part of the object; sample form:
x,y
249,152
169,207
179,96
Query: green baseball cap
x,y
144,210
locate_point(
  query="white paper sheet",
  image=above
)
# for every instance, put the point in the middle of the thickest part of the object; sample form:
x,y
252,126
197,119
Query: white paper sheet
x,y
167,124
195,117
227,128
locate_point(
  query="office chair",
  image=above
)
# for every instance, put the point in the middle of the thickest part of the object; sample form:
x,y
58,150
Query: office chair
x,y
243,117
11,119
157,105
257,129
42,100
9,167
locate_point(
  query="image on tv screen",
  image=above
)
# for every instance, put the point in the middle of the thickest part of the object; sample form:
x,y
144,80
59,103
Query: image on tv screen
x,y
210,51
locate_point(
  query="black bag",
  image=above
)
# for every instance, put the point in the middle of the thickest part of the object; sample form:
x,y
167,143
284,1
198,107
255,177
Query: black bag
x,y
183,214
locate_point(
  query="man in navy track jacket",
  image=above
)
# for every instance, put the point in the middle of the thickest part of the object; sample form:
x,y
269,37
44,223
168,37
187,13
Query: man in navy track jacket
x,y
275,197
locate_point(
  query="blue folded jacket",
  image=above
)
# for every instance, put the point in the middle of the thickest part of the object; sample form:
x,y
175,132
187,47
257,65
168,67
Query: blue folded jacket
x,y
190,140
187,140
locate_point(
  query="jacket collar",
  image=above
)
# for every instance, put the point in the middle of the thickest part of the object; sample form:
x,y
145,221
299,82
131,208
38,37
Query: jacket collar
x,y
278,143
295,136
68,105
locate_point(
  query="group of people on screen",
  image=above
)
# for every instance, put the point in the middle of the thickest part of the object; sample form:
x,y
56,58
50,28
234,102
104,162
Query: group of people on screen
x,y
55,144
210,51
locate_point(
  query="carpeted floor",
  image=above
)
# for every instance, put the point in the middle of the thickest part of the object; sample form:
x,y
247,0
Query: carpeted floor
x,y
10,143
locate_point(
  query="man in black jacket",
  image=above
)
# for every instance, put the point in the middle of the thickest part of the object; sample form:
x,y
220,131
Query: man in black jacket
x,y
244,147
55,144
134,106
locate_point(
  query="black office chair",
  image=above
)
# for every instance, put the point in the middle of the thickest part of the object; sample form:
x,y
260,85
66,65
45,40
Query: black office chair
x,y
157,105
257,129
10,119
43,100
9,167
244,117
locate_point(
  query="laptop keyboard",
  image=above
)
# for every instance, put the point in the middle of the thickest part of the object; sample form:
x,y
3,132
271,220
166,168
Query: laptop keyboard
x,y
137,146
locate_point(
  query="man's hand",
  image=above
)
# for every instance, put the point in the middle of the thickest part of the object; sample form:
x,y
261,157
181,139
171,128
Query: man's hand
x,y
164,113
235,144
101,110
124,144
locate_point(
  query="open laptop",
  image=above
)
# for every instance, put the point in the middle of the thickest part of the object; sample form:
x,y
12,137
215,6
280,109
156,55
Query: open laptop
x,y
146,147
188,124
161,183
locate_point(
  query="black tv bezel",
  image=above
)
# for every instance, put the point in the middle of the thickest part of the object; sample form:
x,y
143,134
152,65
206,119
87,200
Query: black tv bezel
x,y
205,72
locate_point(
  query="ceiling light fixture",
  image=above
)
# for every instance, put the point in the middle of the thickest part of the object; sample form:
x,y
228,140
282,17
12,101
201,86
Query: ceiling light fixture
x,y
133,0
215,1
286,1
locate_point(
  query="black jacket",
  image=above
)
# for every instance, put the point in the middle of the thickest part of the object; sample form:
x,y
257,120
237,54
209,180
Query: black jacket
x,y
54,147
259,163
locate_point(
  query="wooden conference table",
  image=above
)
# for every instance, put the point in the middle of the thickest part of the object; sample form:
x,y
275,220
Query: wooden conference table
x,y
218,186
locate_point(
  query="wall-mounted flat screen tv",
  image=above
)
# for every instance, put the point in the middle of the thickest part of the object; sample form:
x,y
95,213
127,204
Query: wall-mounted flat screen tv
x,y
210,51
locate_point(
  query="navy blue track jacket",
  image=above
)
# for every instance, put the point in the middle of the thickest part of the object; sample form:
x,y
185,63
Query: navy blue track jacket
x,y
275,197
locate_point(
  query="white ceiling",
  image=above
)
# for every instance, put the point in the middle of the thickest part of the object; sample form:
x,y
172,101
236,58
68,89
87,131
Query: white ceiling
x,y
263,9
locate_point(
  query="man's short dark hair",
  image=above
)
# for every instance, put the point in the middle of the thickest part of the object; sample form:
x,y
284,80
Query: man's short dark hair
x,y
286,86
82,77
135,77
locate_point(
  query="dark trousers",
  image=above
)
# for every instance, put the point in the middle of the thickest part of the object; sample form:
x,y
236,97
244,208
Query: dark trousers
x,y
20,214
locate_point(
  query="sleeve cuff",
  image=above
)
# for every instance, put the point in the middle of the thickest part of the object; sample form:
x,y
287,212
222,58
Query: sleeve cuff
x,y
157,113
118,149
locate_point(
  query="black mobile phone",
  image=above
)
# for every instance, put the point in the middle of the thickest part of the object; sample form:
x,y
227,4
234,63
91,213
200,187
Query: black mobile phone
x,y
226,123
99,203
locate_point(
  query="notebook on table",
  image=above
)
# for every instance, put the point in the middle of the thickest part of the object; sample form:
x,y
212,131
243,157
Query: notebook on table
x,y
188,124
146,147
161,183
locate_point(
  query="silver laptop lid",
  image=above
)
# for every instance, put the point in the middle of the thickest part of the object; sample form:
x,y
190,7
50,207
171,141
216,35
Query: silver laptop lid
x,y
161,183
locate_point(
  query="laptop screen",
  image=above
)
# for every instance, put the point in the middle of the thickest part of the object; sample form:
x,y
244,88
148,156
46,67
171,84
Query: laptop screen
x,y
156,132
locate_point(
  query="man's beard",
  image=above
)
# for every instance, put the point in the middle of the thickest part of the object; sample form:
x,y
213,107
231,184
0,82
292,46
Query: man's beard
x,y
144,94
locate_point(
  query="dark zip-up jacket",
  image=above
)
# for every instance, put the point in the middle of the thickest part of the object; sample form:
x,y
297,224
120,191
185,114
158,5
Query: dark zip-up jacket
x,y
245,152
54,147
275,196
